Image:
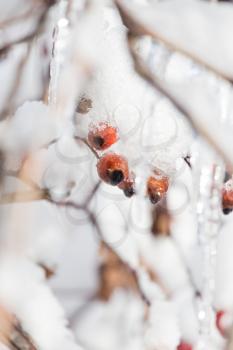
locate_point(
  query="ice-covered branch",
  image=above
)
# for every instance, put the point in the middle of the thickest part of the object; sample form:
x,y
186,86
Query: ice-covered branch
x,y
195,103
189,27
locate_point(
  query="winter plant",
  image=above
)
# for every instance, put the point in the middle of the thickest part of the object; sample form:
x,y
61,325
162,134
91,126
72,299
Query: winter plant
x,y
116,187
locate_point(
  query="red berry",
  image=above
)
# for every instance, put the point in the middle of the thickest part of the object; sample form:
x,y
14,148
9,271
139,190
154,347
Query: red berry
x,y
219,316
227,197
101,136
157,186
184,346
113,168
128,185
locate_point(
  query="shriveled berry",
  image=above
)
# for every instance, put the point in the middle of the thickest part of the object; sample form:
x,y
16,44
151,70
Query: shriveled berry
x,y
184,346
129,192
157,186
113,168
128,186
102,135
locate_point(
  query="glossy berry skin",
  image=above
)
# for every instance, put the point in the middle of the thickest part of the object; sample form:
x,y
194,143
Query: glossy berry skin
x,y
128,185
184,346
157,186
113,168
102,136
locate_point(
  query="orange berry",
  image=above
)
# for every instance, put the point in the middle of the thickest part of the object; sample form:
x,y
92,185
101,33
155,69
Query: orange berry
x,y
102,136
113,168
157,186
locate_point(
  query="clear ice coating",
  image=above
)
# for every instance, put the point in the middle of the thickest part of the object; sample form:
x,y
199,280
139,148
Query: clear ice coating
x,y
209,175
60,35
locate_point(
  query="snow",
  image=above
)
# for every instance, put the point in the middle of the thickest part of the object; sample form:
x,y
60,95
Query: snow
x,y
162,321
34,304
104,321
18,134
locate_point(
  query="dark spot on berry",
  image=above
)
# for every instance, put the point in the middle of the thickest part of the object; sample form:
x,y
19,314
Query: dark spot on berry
x,y
129,192
227,211
115,176
98,141
155,198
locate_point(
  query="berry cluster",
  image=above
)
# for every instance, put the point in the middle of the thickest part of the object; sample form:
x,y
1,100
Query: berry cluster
x,y
113,168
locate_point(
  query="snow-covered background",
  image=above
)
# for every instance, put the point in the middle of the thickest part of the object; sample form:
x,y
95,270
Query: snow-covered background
x,y
82,266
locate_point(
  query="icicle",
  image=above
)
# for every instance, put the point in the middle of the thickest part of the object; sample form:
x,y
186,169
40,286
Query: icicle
x,y
209,175
60,36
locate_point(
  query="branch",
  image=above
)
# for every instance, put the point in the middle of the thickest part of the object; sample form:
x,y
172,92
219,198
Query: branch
x,y
29,39
148,23
94,222
24,196
218,142
77,138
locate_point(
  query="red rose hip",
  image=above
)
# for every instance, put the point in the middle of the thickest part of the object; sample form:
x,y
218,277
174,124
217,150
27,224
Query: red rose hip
x,y
102,135
157,186
227,197
113,168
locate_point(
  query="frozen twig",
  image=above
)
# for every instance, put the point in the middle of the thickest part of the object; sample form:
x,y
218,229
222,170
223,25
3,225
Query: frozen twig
x,y
92,218
20,69
214,135
32,34
167,23
77,138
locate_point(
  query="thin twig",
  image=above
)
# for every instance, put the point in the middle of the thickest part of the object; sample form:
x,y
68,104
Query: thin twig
x,y
77,138
93,192
29,39
95,223
187,161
